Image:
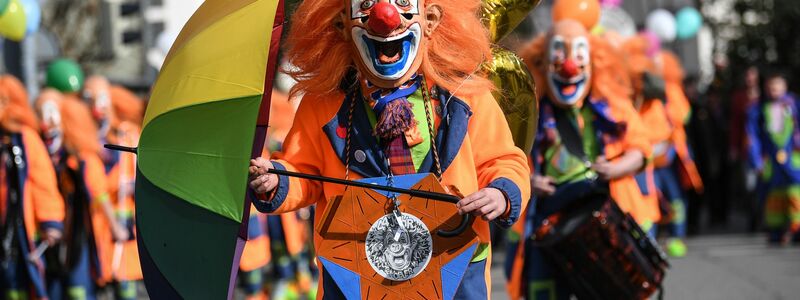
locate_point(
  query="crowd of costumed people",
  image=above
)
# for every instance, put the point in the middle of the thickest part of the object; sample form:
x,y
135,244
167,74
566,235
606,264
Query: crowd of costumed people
x,y
68,207
613,125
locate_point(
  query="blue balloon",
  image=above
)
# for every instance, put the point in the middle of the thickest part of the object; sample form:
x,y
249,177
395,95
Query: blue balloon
x,y
33,15
689,22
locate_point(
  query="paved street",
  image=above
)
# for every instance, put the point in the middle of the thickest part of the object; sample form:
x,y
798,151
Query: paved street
x,y
722,267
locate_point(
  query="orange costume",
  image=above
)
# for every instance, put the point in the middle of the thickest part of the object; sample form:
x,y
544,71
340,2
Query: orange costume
x,y
678,110
654,114
42,207
657,83
486,154
354,79
118,112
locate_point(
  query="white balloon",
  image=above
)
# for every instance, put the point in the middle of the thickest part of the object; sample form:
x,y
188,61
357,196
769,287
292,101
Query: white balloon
x,y
662,23
615,18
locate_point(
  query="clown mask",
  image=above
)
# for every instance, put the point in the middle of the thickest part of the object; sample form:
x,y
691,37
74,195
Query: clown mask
x,y
389,37
569,71
52,132
97,94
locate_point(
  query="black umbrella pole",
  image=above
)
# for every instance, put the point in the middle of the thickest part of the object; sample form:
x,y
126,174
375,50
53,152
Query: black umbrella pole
x,y
414,193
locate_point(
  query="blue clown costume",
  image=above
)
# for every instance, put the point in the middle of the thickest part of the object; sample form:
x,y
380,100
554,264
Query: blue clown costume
x,y
774,149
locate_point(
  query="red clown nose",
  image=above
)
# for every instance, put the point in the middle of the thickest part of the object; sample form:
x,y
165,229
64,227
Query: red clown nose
x,y
383,19
569,69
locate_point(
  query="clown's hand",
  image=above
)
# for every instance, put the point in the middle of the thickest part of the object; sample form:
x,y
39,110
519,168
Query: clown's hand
x,y
488,203
543,185
52,236
260,181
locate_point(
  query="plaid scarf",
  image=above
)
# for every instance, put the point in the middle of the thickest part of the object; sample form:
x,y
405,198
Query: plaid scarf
x,y
395,118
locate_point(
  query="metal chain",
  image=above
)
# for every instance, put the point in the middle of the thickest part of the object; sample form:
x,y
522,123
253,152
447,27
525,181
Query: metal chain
x,y
347,136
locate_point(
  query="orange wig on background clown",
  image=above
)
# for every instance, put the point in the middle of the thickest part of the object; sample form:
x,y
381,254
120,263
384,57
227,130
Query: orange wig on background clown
x,y
18,111
80,131
671,67
322,56
126,105
637,61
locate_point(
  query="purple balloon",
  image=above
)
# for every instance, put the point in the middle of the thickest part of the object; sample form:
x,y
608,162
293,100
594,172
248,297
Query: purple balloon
x,y
653,43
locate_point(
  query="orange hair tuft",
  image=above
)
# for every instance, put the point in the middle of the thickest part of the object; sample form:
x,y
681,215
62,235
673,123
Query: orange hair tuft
x,y
534,54
636,59
80,131
671,67
18,110
609,74
322,57
127,106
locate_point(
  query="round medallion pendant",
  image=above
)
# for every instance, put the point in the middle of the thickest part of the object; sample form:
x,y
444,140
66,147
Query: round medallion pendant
x,y
401,251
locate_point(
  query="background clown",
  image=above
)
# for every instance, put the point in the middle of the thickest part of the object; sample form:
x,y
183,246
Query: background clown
x,y
584,104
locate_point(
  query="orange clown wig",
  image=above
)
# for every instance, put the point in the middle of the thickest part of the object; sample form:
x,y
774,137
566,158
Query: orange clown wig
x,y
637,61
17,112
126,105
456,50
80,131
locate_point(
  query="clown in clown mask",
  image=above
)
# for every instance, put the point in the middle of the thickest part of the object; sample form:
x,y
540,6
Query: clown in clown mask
x,y
569,71
387,36
47,108
588,131
394,87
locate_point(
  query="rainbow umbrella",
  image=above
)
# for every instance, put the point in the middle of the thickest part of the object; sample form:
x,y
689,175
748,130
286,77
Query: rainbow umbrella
x,y
207,117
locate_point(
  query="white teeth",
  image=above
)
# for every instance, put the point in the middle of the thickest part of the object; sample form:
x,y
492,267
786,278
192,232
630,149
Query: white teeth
x,y
388,39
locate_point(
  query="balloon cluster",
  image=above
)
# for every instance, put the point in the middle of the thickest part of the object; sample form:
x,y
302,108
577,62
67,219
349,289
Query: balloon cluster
x,y
668,27
19,18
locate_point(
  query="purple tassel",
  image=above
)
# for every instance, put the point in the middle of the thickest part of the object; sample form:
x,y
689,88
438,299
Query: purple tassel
x,y
396,118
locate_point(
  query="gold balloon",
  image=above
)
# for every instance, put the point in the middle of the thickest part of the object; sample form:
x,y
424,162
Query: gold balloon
x,y
502,16
516,94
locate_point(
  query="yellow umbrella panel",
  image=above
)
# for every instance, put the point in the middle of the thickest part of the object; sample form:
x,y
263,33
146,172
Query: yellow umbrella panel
x,y
206,118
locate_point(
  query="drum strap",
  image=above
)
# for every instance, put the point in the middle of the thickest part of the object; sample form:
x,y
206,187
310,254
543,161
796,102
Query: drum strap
x,y
570,135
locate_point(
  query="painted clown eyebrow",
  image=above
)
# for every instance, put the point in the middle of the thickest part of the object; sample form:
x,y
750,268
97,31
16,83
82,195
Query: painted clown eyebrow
x,y
361,8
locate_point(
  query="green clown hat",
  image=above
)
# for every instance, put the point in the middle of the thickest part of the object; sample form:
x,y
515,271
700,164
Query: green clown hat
x,y
65,75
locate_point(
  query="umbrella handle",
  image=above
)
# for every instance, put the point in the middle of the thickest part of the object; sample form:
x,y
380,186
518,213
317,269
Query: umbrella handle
x,y
133,150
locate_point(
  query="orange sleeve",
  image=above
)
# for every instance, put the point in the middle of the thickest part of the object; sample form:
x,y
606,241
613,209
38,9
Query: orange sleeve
x,y
95,177
112,180
654,116
500,164
302,152
47,201
636,136
678,107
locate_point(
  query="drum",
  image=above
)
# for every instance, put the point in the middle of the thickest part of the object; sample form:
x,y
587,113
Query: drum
x,y
600,251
